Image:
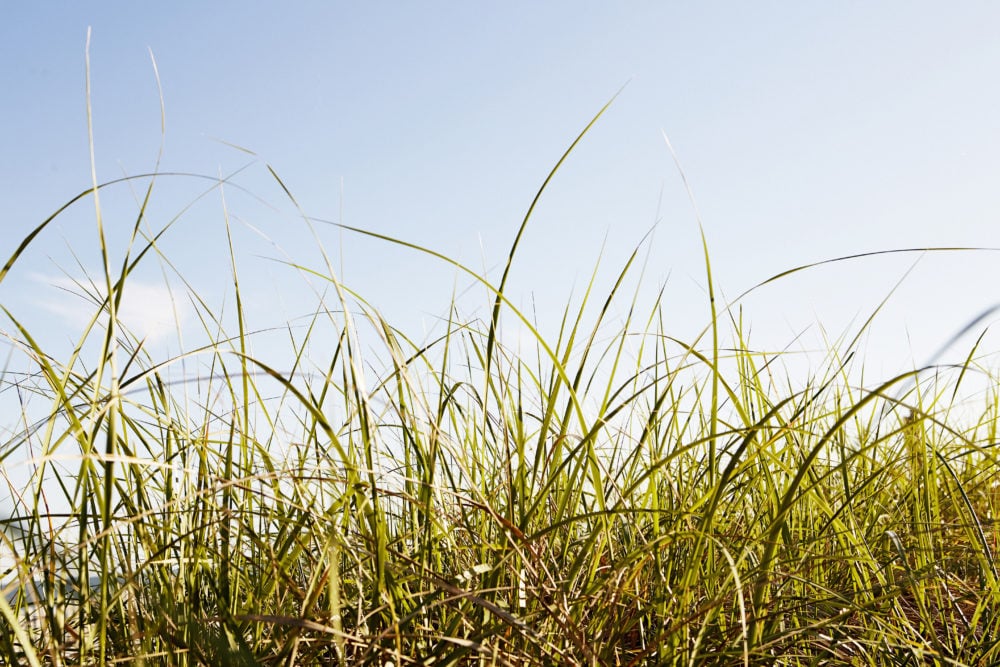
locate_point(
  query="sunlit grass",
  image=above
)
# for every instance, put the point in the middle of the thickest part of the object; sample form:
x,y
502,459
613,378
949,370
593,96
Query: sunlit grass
x,y
613,495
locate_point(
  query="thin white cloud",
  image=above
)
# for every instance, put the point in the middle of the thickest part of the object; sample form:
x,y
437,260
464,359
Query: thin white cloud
x,y
147,309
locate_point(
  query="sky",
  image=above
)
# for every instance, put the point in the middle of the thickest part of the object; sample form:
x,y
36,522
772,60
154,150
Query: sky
x,y
803,132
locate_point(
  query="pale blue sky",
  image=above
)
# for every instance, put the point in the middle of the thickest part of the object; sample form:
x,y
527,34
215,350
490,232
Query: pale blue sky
x,y
806,130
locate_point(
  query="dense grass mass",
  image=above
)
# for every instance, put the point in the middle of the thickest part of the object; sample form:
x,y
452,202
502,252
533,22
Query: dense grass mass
x,y
614,496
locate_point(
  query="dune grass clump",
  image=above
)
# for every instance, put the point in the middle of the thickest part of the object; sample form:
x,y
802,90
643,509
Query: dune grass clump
x,y
617,496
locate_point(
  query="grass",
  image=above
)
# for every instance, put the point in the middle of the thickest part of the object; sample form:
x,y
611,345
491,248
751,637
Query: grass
x,y
617,496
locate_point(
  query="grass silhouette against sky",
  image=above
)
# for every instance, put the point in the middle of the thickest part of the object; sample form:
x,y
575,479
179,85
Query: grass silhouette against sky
x,y
805,132
369,459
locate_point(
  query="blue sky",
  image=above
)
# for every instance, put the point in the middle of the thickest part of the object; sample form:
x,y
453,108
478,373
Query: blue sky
x,y
806,131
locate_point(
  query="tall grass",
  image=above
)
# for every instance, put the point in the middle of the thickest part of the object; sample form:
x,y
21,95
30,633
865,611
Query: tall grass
x,y
613,496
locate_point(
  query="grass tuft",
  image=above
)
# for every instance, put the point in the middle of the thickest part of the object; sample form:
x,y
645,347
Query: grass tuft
x,y
615,496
